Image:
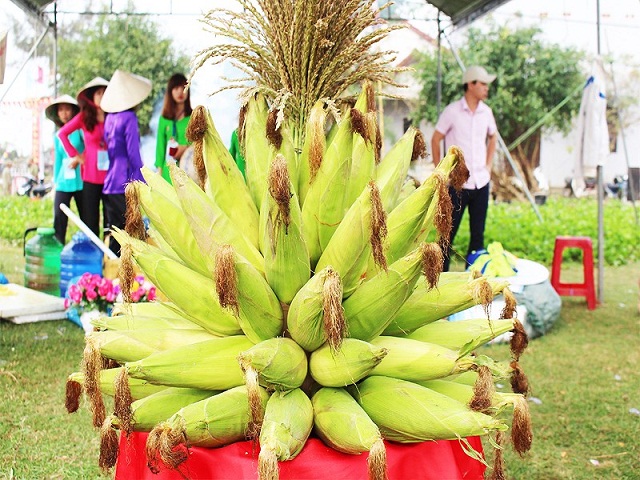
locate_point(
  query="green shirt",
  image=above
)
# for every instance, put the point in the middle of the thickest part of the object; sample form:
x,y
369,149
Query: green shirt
x,y
234,149
166,133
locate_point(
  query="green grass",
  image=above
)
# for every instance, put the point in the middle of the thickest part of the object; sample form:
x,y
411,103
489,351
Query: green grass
x,y
584,371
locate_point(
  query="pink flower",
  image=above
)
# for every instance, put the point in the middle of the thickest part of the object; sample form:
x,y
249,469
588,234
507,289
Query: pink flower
x,y
105,287
139,279
67,303
111,296
91,295
151,296
75,294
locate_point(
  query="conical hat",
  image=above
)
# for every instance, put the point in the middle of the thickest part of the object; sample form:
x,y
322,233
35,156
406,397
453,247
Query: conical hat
x,y
96,82
52,110
125,91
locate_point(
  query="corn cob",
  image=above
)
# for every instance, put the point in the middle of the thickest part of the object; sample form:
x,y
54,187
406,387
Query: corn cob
x,y
167,218
323,207
358,236
353,361
409,186
199,301
406,412
213,422
157,183
225,183
368,311
280,363
256,147
157,339
288,421
148,309
414,360
139,322
456,291
316,314
209,222
122,346
393,169
209,365
463,336
313,149
287,266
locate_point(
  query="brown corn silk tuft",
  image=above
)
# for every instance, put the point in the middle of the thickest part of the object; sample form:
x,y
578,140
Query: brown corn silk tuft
x,y
122,401
378,227
460,173
108,363
317,142
334,323
370,95
498,460
198,163
359,124
108,445
134,225
521,429
444,211
483,390
519,340
197,126
378,149
161,447
510,303
73,390
274,135
226,278
432,263
242,115
483,295
91,365
279,189
377,461
126,272
419,147
268,465
253,395
519,381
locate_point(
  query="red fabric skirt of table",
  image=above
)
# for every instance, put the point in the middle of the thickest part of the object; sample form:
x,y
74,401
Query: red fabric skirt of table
x,y
441,460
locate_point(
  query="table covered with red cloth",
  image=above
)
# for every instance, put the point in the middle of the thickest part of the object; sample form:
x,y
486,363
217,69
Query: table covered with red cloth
x,y
442,460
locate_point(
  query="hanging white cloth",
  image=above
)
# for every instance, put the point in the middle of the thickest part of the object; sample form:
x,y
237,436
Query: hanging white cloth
x,y
592,147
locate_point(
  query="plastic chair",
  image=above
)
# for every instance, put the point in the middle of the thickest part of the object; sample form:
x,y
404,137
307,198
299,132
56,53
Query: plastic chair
x,y
587,287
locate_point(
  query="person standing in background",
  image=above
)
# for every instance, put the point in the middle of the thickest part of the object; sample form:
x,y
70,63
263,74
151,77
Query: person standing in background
x,y
67,180
172,126
469,124
95,160
122,134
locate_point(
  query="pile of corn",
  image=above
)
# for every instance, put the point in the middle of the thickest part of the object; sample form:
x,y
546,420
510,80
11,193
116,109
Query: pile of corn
x,y
302,300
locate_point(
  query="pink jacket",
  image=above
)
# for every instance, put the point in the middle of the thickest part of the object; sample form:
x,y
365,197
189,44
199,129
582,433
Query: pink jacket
x,y
93,142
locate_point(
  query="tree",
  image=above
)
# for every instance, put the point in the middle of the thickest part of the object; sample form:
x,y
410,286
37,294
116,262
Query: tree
x,y
533,78
127,42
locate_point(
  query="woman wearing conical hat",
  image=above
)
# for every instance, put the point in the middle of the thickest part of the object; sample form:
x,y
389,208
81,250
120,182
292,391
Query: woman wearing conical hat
x,y
121,132
67,179
94,161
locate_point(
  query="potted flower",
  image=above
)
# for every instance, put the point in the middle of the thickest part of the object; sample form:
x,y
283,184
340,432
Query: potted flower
x,y
89,297
141,290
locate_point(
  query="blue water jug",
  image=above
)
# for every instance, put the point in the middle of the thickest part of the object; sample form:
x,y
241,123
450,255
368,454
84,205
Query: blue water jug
x,y
79,256
42,261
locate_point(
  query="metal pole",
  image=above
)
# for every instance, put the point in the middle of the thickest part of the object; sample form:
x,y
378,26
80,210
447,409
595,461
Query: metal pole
x,y
439,72
600,198
55,49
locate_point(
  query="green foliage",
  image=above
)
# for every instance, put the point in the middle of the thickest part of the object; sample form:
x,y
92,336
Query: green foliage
x,y
532,78
129,42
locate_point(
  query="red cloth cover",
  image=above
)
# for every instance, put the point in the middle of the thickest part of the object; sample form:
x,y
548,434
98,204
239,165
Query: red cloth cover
x,y
442,460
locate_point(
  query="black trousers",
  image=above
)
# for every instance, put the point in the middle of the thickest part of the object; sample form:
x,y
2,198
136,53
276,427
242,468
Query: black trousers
x,y
90,213
60,219
115,206
477,202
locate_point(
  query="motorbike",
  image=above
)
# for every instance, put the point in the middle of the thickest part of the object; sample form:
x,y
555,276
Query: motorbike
x,y
615,189
33,187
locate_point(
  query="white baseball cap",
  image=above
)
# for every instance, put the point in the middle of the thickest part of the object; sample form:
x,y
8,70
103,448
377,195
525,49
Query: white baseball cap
x,y
477,73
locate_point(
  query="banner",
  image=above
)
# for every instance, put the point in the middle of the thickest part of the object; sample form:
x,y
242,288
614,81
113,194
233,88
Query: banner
x,y
3,54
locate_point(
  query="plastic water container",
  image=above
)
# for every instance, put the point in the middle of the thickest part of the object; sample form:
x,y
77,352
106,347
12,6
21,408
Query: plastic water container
x,y
78,256
42,261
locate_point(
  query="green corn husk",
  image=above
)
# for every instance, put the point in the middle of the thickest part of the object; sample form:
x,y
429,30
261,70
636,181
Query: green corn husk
x,y
208,221
209,365
456,291
280,363
374,304
149,309
316,314
157,183
139,388
225,183
393,169
288,421
199,301
256,147
414,360
138,322
406,412
122,346
353,361
157,339
313,149
350,249
286,258
463,336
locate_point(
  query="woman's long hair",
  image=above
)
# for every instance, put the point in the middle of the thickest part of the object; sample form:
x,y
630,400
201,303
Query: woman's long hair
x,y
169,107
89,109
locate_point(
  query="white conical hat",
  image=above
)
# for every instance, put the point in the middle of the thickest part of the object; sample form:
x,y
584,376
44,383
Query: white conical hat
x,y
96,82
52,110
125,91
